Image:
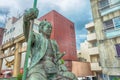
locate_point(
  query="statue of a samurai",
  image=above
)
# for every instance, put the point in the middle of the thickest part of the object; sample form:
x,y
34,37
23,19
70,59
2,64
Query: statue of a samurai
x,y
45,56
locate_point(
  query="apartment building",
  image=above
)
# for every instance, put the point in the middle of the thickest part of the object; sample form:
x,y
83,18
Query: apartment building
x,y
106,16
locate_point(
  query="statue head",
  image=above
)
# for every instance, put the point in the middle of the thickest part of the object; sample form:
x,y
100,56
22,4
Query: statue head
x,y
45,27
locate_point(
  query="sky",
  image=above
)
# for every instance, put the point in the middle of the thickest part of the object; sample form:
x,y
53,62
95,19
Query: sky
x,y
78,11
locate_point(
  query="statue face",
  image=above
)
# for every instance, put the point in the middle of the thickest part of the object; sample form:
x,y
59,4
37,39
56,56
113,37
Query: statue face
x,y
47,29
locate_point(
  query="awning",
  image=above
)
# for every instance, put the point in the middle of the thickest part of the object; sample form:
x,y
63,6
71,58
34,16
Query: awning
x,y
6,72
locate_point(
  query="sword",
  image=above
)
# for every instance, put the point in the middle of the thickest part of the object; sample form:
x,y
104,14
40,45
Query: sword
x,y
29,45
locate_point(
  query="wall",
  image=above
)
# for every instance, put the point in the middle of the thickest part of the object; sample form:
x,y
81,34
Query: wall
x,y
110,63
81,69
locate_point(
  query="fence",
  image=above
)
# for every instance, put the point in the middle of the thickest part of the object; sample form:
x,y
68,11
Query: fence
x,y
13,78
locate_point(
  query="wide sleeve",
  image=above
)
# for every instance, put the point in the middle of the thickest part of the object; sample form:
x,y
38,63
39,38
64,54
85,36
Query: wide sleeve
x,y
26,29
59,55
31,14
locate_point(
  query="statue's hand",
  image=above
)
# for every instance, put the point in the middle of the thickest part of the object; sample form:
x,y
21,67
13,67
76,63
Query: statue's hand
x,y
31,14
59,56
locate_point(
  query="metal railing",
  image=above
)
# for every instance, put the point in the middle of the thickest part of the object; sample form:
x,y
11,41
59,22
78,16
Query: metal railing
x,y
13,78
110,5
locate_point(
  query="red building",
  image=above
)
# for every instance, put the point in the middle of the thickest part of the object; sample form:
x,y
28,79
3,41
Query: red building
x,y
1,35
64,33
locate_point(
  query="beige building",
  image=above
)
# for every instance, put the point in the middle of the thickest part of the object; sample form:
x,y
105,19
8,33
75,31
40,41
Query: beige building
x,y
12,51
106,16
83,52
93,50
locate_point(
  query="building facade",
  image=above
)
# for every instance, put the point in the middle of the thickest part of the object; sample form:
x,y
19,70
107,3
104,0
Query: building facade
x,y
13,49
93,50
1,35
83,53
106,16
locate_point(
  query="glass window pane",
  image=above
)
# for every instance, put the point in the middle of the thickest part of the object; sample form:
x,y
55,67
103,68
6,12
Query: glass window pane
x,y
116,22
108,25
103,3
114,1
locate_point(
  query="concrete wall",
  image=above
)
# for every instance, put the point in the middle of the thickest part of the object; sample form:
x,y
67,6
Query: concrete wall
x,y
12,30
84,51
110,63
81,69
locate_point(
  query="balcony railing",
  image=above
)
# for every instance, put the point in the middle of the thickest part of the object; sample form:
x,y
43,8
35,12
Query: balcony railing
x,y
111,7
112,33
91,37
90,25
95,67
93,51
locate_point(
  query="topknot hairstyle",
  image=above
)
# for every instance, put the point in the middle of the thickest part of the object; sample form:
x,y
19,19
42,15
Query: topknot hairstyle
x,y
42,24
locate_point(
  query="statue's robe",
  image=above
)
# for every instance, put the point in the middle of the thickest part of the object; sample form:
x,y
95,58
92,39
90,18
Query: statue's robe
x,y
39,48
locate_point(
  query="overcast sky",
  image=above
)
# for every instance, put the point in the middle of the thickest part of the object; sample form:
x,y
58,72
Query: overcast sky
x,y
78,11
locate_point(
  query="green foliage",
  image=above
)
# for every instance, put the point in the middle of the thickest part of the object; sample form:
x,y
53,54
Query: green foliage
x,y
116,78
19,76
62,61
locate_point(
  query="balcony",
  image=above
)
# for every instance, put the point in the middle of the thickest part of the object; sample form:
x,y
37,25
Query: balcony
x,y
89,25
91,37
95,67
109,7
112,33
93,51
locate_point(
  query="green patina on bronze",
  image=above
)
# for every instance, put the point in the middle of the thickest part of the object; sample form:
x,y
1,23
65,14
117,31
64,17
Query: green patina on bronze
x,y
46,63
28,25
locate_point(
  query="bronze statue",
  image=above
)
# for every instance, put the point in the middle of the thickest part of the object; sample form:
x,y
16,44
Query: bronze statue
x,y
45,56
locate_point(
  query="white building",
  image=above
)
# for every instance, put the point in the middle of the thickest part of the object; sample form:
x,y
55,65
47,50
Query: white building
x,y
14,45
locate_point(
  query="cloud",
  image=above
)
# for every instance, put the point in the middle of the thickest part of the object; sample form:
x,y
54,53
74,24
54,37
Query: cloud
x,y
1,18
70,5
81,36
13,5
78,11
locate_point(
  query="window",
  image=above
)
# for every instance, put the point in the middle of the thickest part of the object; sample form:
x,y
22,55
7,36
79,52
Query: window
x,y
112,27
112,24
114,1
94,58
94,44
117,46
103,4
92,31
108,6
116,22
108,25
71,27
